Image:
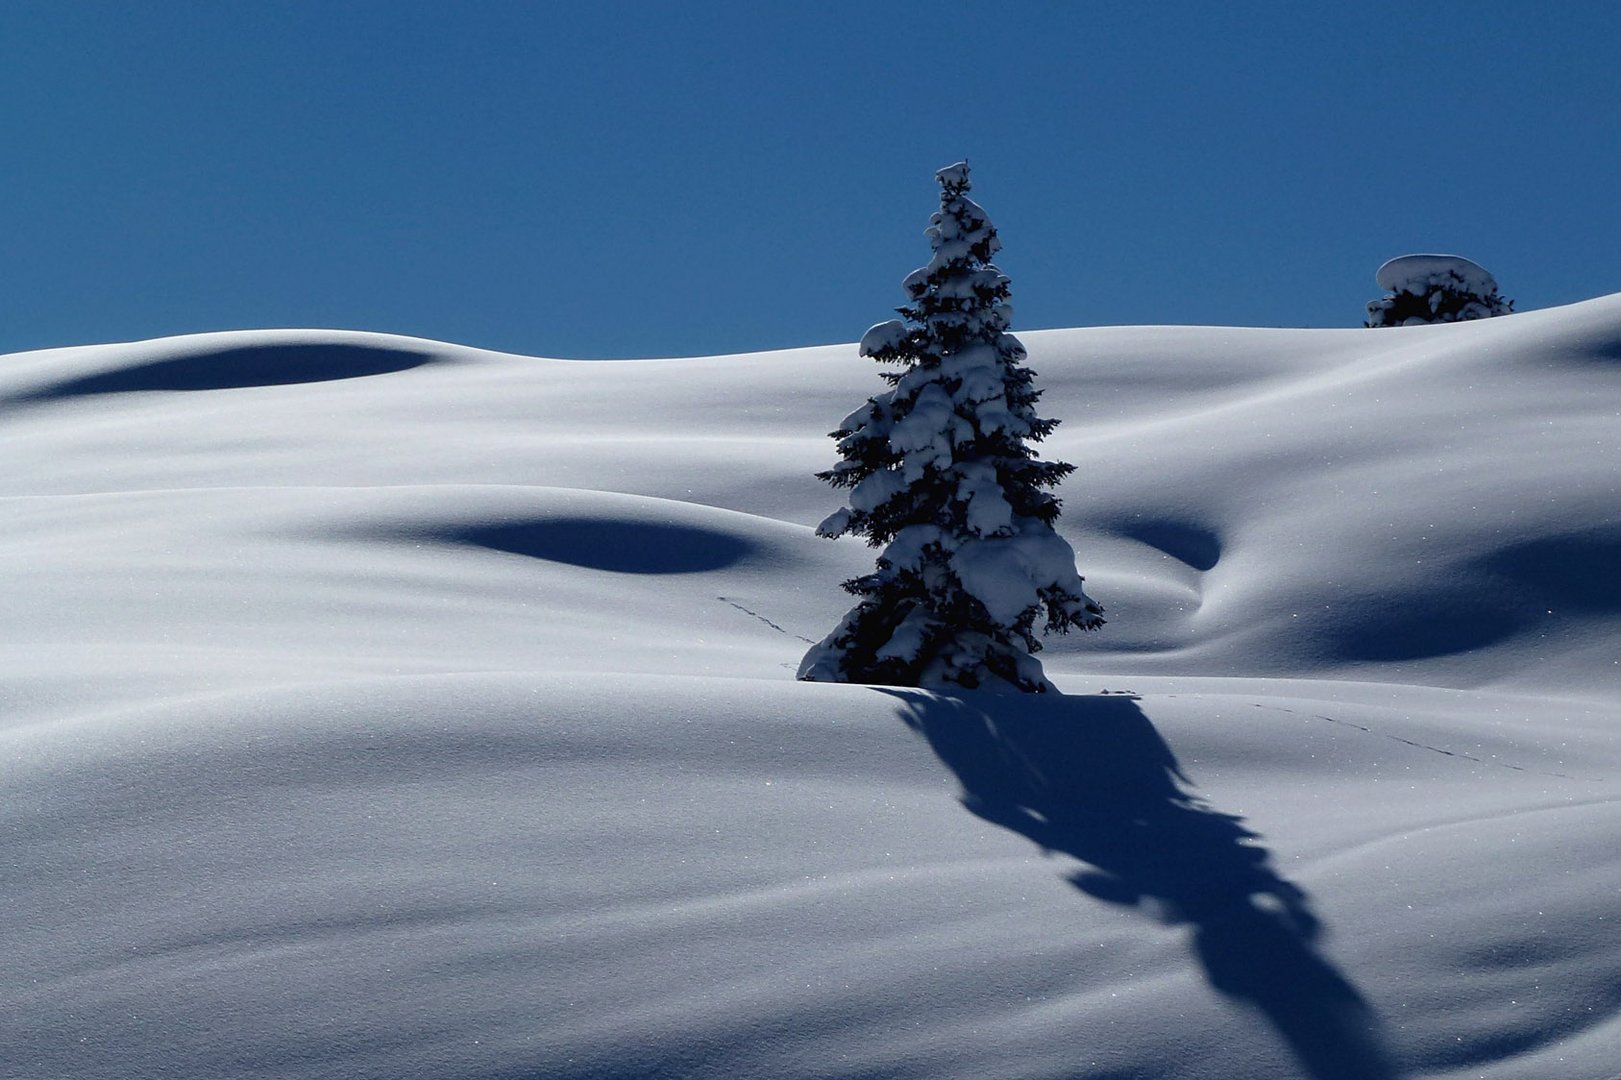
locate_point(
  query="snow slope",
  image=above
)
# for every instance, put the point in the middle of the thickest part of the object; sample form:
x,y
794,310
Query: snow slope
x,y
375,707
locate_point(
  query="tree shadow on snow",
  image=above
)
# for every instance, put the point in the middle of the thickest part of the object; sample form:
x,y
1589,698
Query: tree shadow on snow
x,y
1091,778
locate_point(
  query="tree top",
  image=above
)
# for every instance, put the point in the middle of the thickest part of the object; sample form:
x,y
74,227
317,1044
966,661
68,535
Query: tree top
x,y
954,178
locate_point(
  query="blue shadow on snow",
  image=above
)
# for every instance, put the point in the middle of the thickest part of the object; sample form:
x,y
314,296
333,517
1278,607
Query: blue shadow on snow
x,y
240,367
1090,777
624,546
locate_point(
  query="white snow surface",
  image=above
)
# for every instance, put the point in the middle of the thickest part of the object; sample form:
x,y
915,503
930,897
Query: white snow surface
x,y
376,707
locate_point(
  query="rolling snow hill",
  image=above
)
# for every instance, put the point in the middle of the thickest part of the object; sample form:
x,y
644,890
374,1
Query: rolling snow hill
x,y
376,707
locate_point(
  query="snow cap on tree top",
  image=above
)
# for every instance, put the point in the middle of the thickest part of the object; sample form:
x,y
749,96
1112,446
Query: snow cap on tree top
x,y
1415,273
954,178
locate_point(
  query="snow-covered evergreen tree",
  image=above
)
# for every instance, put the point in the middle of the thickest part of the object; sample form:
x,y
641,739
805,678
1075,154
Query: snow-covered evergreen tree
x,y
941,476
1423,289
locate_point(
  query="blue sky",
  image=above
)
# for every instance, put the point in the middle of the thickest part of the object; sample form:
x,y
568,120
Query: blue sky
x,y
663,179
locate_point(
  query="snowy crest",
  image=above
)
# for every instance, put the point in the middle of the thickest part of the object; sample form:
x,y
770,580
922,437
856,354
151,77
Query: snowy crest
x,y
941,476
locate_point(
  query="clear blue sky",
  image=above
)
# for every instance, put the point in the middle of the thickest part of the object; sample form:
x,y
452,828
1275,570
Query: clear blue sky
x,y
574,179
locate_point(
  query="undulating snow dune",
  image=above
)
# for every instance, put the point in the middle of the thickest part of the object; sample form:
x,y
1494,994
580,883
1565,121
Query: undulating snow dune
x,y
375,707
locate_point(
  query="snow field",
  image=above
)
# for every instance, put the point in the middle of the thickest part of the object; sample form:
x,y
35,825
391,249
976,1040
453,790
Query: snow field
x,y
378,707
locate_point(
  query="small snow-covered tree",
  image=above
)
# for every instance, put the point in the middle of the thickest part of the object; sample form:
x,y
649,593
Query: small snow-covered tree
x,y
1434,289
941,476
